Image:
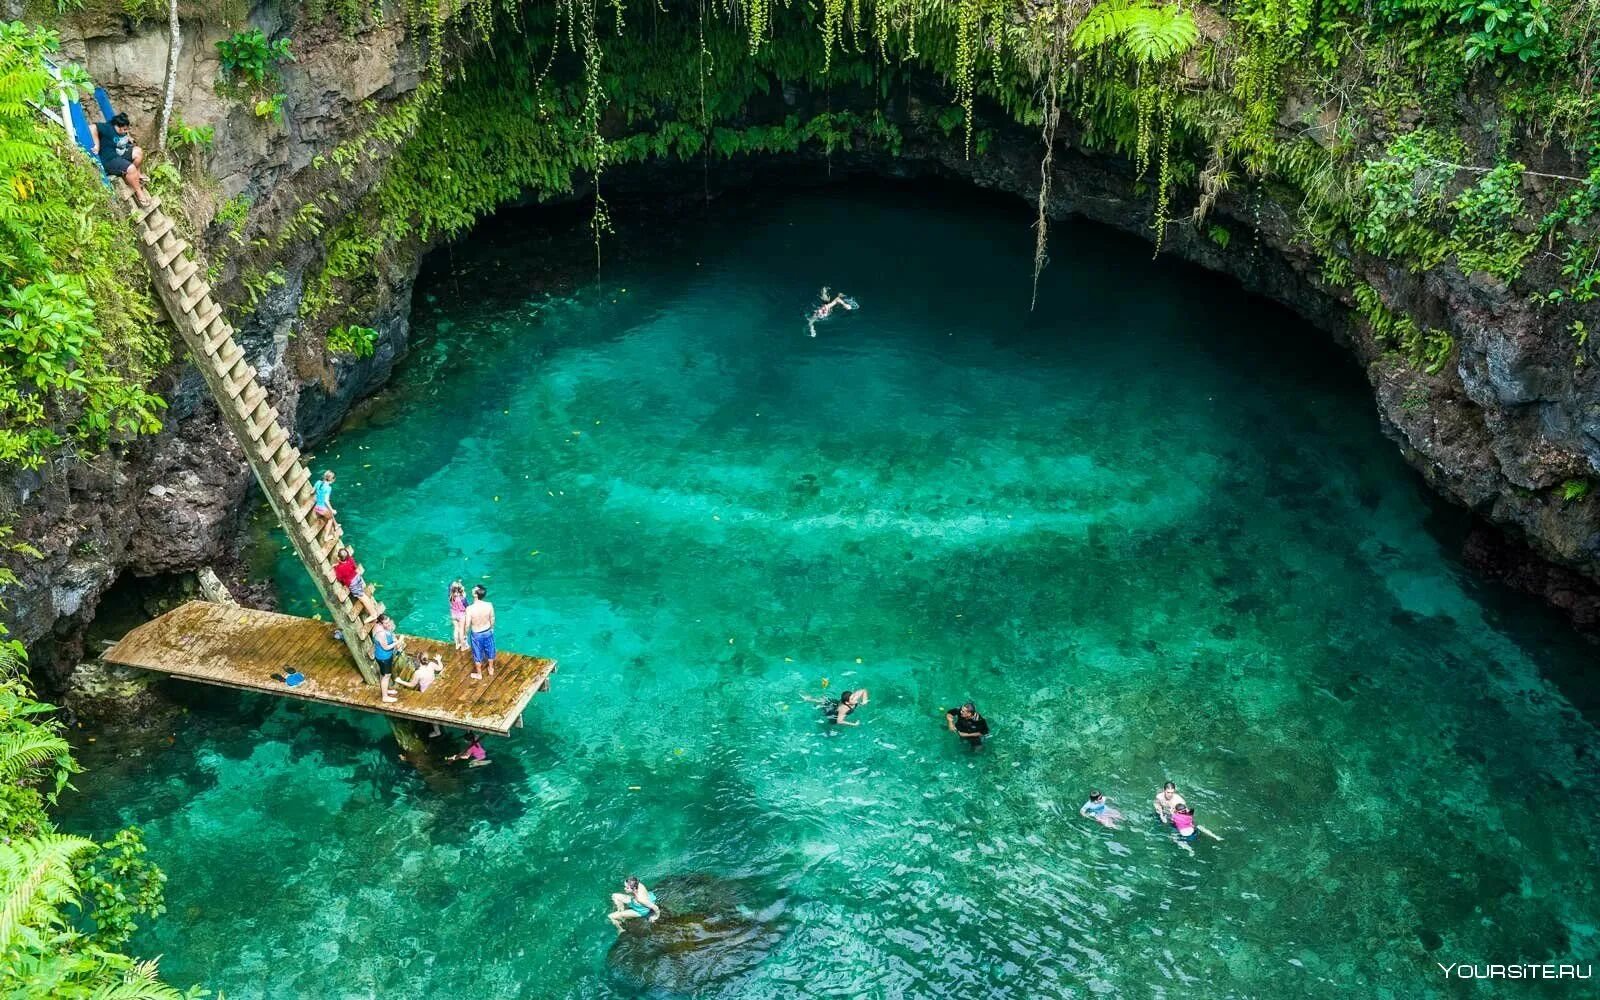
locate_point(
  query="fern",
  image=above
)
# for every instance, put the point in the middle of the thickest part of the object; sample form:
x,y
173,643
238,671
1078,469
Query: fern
x,y
36,880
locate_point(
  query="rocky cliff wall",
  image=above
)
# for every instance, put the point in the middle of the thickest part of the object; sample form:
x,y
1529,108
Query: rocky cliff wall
x,y
174,501
1496,430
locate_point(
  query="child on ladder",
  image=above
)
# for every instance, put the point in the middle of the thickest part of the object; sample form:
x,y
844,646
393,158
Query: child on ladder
x,y
322,499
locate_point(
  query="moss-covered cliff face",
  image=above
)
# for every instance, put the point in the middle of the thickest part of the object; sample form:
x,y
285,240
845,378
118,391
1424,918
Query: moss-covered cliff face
x,y
1414,180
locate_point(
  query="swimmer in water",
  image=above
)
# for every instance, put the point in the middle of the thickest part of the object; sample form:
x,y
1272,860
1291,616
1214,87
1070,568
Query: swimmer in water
x,y
825,310
1167,800
836,711
1183,823
1100,809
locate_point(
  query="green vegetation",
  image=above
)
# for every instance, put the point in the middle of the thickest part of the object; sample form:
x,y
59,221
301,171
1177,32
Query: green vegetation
x,y
78,338
68,905
356,341
249,58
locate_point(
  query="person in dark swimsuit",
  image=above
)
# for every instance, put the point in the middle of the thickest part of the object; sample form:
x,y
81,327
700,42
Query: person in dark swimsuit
x,y
836,711
119,157
968,724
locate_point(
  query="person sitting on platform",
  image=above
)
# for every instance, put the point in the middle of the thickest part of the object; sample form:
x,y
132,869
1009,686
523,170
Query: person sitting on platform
x,y
385,644
348,573
427,671
119,156
473,753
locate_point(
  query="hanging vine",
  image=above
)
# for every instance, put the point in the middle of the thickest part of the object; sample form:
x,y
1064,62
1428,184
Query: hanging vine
x,y
1148,41
1051,102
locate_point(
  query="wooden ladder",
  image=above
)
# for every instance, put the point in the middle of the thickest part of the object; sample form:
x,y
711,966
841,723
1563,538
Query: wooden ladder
x,y
251,417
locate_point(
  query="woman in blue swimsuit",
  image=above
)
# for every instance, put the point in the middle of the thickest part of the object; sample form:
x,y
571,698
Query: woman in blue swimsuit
x,y
634,901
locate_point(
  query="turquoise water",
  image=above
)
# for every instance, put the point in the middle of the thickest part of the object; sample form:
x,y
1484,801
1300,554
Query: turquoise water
x,y
1153,529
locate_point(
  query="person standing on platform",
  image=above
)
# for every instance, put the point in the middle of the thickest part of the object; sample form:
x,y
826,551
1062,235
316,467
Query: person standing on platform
x,y
385,644
480,632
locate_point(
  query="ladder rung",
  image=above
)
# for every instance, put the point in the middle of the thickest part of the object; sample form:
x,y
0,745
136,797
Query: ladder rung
x,y
267,420
153,235
224,332
183,272
289,459
300,482
153,208
235,383
178,250
193,302
208,322
225,365
252,396
273,439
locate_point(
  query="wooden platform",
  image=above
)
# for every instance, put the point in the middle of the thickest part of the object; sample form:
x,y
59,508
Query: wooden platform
x,y
243,648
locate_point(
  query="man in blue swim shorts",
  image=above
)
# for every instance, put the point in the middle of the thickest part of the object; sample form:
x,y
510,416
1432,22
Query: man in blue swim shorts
x,y
480,632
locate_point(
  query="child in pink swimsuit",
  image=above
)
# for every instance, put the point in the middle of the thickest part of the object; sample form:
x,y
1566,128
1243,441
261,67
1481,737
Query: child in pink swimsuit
x,y
458,613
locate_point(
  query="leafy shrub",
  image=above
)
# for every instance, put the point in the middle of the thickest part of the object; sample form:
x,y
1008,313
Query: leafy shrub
x,y
356,341
247,56
1513,28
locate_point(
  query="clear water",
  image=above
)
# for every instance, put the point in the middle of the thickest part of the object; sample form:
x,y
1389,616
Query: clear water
x,y
1152,528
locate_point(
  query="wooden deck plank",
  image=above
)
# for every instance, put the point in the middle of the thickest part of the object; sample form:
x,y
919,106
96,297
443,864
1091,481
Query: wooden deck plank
x,y
242,648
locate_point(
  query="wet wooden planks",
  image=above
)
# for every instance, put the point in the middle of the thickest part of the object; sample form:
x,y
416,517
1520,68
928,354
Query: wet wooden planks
x,y
244,648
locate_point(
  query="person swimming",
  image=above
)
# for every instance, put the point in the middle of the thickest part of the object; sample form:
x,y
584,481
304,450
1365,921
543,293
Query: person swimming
x,y
837,710
1100,809
1167,800
829,303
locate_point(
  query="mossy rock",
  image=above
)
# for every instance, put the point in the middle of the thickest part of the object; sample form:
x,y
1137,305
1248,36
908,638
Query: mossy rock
x,y
707,936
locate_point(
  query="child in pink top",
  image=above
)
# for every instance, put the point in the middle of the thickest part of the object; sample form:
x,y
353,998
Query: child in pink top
x,y
474,754
458,613
1183,821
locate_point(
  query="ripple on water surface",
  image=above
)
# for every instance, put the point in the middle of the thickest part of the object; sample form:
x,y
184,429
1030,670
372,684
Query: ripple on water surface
x,y
1152,528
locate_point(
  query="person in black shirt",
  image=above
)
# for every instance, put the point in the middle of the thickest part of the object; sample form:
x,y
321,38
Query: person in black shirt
x,y
966,723
113,143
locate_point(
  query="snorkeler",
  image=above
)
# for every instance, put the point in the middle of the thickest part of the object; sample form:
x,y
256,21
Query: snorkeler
x,y
634,901
1100,809
825,310
836,711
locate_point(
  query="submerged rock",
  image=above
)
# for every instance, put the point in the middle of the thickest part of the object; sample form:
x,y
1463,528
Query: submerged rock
x,y
706,936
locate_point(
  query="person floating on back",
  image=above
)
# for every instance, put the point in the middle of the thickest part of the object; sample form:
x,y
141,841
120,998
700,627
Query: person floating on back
x,y
458,614
348,572
322,497
385,645
119,155
1100,809
480,632
968,724
632,902
1167,801
829,303
473,753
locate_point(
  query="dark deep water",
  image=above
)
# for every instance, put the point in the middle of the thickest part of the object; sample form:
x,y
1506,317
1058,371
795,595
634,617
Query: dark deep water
x,y
1153,529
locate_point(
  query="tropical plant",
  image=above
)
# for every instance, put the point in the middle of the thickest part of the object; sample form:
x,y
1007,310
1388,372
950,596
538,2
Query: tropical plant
x,y
248,57
356,341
